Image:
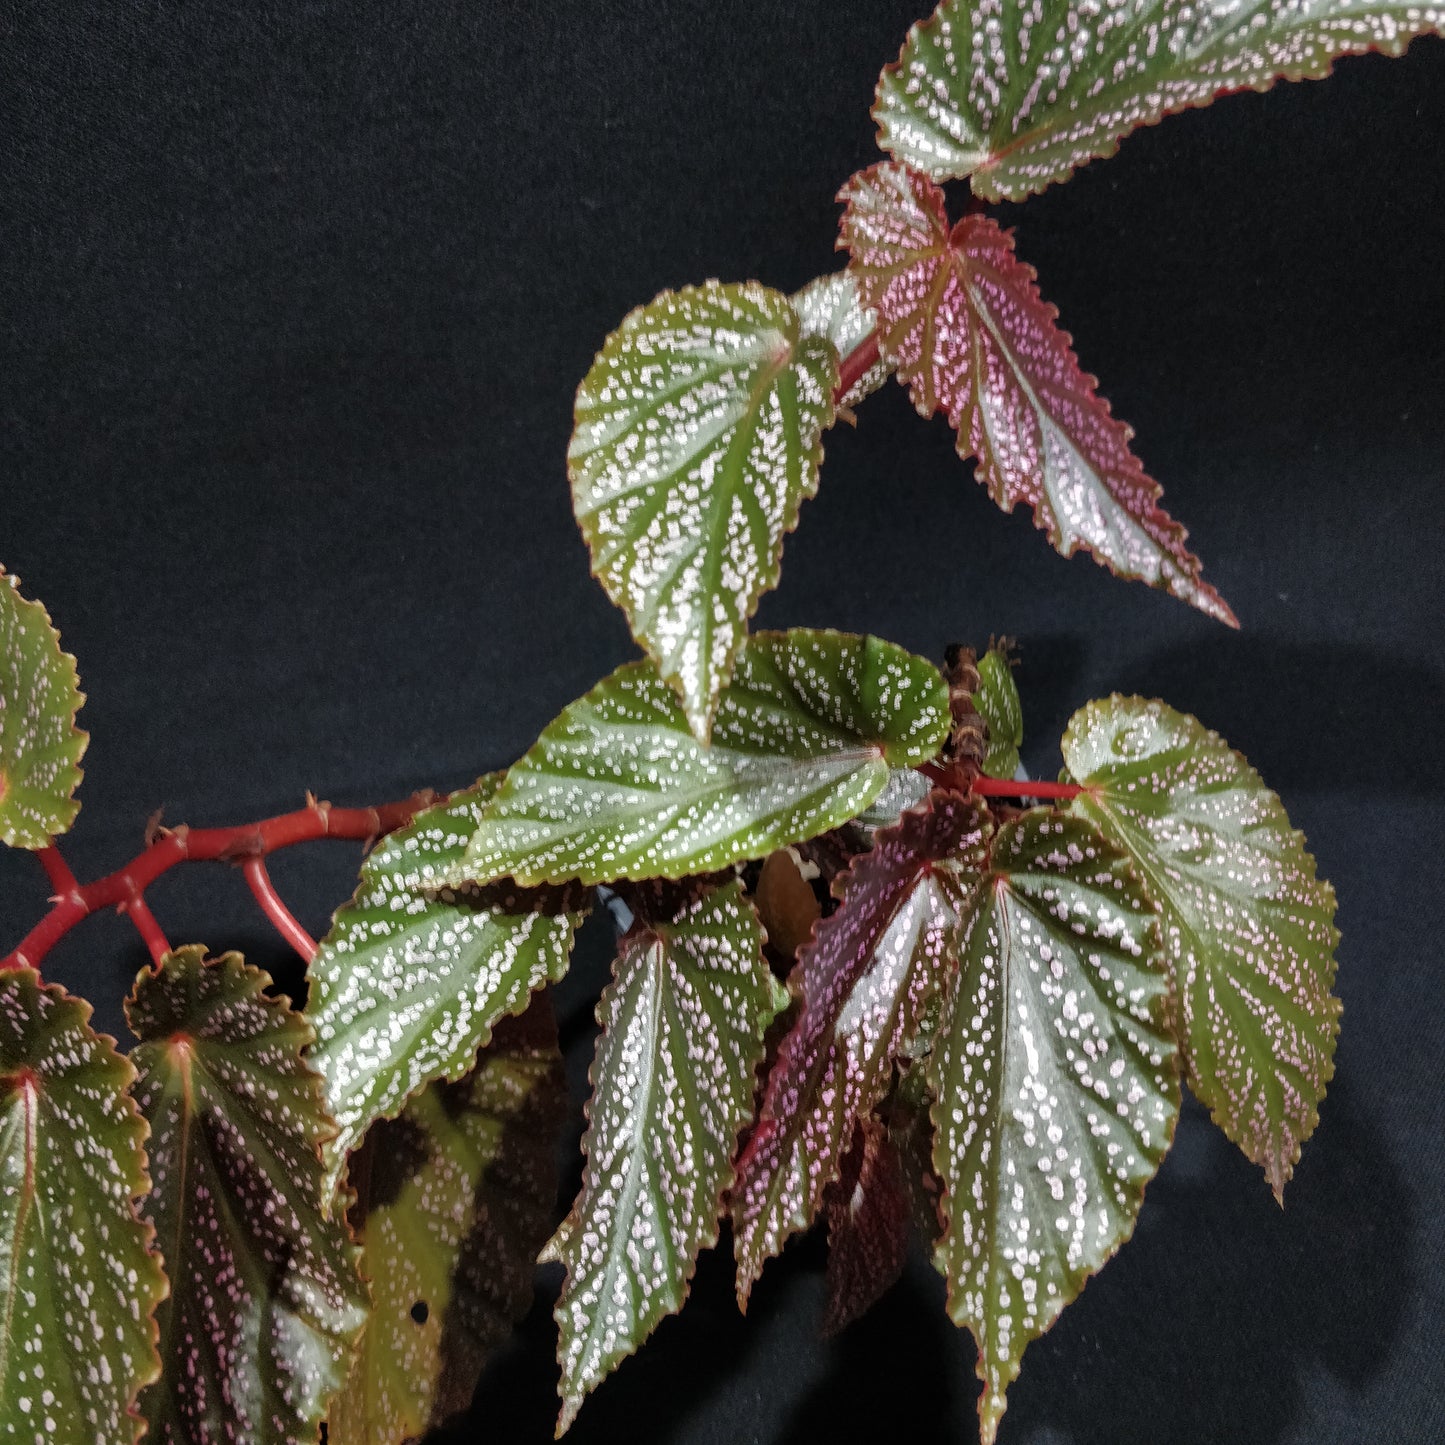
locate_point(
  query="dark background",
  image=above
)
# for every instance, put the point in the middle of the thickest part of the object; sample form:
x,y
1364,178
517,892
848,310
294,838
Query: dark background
x,y
295,298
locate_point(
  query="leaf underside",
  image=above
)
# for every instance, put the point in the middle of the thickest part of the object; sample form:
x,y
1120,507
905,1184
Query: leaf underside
x,y
454,1199
618,787
1248,928
865,979
40,745
1015,98
682,1037
830,307
698,436
869,1221
961,317
1055,1085
407,985
78,1284
266,1299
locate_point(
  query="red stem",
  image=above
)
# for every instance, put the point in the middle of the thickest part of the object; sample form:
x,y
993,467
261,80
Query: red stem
x,y
58,871
1007,788
275,909
855,364
139,912
250,840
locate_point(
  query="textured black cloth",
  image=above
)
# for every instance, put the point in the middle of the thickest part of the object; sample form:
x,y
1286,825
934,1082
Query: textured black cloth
x,y
296,294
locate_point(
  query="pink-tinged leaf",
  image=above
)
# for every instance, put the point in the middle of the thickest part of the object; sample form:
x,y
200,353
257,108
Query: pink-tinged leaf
x,y
1016,96
866,980
961,318
869,1217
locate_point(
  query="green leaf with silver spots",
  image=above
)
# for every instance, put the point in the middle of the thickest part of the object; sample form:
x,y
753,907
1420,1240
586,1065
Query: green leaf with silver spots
x,y
407,985
453,1200
831,307
1248,928
266,1299
682,1038
698,436
997,701
1016,97
40,745
78,1283
618,787
1055,1086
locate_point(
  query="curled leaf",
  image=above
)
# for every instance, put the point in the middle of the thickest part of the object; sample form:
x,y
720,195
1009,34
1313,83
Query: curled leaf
x,y
830,307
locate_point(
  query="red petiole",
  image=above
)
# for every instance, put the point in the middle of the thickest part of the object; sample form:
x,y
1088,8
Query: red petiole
x,y
246,844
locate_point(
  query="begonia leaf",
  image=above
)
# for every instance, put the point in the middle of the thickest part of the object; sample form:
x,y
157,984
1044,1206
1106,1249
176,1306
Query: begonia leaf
x,y
830,307
1015,97
998,704
962,318
1248,928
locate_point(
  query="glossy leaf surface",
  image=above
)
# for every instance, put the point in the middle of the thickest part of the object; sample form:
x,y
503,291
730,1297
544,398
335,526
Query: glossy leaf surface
x,y
266,1299
1055,1085
1248,927
1015,97
697,438
618,787
454,1199
865,980
998,704
962,318
40,745
78,1285
407,985
682,1037
830,307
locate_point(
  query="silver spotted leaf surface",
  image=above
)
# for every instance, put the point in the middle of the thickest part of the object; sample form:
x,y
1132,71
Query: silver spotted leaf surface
x,y
453,1200
870,1219
830,307
1016,96
40,745
998,704
961,317
266,1301
407,985
78,1283
672,1087
1055,1086
1248,928
865,980
618,787
698,436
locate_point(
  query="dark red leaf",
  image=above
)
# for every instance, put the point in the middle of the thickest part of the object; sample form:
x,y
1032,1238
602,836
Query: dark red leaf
x,y
961,318
865,979
869,1213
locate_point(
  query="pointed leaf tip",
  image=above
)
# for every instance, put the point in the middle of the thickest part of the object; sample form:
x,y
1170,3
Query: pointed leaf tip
x,y
1016,99
698,437
1248,926
962,318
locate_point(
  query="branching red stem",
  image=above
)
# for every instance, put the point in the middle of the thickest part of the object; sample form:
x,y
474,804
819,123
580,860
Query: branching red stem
x,y
58,871
853,366
126,886
1008,788
272,905
139,912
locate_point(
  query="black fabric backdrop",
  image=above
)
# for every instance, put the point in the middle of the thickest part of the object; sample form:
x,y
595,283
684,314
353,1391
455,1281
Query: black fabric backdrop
x,y
296,296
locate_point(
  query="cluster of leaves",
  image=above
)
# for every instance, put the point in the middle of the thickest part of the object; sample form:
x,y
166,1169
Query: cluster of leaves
x,y
263,1217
